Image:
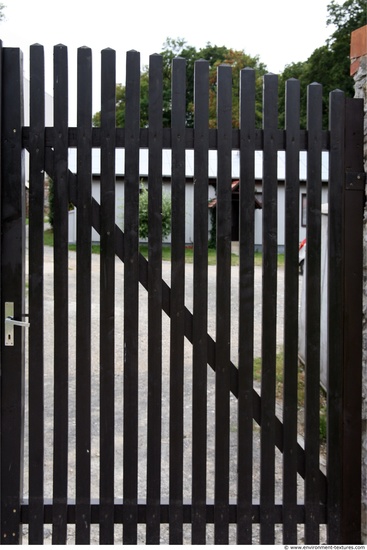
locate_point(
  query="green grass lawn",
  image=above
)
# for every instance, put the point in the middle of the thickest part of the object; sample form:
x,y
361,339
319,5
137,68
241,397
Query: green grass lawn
x,y
301,388
189,254
166,252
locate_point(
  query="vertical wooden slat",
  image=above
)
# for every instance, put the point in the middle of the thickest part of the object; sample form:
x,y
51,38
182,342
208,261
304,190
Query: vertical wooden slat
x,y
313,305
291,283
12,280
177,301
36,338
353,281
269,310
83,297
1,118
154,300
335,315
200,301
107,297
131,297
246,306
223,299
61,203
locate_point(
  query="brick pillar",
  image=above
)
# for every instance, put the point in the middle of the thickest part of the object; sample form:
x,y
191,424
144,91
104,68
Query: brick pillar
x,y
358,69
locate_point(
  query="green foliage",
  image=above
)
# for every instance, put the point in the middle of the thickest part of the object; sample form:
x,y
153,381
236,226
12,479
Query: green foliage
x,y
51,202
323,423
346,17
329,65
301,392
216,55
2,14
120,105
144,214
295,70
213,229
48,237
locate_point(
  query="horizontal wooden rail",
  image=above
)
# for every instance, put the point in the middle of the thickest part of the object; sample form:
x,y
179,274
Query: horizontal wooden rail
x,y
164,512
280,138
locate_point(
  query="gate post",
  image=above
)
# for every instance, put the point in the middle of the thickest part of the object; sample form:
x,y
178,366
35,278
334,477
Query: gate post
x,y
12,290
354,195
358,70
346,201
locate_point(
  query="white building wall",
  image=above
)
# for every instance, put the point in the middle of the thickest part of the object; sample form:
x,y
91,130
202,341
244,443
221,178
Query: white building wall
x,y
281,214
167,170
323,314
189,210
189,213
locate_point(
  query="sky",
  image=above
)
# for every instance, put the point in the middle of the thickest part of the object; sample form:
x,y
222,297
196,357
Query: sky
x,y
280,32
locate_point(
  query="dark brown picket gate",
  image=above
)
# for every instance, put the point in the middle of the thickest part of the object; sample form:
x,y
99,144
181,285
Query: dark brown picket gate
x,y
204,489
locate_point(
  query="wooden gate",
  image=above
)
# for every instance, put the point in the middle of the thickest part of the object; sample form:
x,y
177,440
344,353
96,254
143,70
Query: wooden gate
x,y
164,434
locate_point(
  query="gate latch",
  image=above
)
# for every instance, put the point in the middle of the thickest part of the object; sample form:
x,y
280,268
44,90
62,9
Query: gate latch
x,y
10,322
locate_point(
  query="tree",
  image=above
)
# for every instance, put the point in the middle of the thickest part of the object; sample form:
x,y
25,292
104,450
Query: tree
x,y
237,60
120,104
346,18
329,64
215,55
295,70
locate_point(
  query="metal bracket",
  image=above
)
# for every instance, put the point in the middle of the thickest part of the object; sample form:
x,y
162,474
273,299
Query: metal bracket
x,y
10,322
355,181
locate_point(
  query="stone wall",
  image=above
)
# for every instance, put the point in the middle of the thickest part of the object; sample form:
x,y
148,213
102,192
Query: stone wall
x,y
358,55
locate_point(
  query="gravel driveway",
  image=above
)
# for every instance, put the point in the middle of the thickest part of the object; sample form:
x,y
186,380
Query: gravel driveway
x,y
48,283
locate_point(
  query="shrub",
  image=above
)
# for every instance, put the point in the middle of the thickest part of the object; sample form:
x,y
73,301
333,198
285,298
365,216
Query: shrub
x,y
143,214
51,201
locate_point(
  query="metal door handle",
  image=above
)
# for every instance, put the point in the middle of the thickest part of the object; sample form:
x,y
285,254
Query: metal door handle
x,y
10,322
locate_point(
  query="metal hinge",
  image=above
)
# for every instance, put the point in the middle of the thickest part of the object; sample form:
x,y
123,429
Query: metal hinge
x,y
10,322
355,181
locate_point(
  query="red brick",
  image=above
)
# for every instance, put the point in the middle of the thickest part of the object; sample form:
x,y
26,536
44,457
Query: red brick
x,y
358,47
